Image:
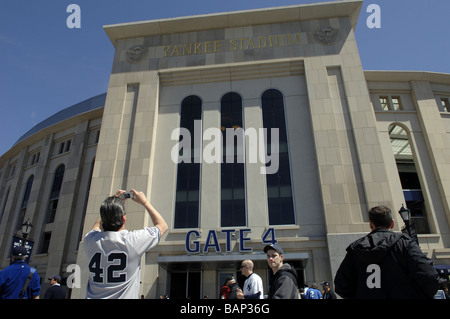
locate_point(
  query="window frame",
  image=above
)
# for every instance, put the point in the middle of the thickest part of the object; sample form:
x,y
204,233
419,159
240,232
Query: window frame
x,y
183,209
232,117
281,202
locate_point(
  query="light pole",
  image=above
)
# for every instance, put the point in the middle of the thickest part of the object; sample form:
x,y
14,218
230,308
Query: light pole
x,y
26,229
409,228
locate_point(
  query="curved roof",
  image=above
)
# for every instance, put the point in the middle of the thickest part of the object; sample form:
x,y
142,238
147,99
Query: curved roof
x,y
96,102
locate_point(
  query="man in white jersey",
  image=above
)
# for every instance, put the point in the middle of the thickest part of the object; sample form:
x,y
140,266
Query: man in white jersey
x,y
253,286
114,253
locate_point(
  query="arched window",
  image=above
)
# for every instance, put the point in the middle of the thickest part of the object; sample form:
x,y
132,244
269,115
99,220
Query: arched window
x,y
54,194
26,197
232,167
409,178
187,202
5,200
279,189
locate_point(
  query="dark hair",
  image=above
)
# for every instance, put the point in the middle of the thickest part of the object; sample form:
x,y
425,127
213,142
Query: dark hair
x,y
111,211
380,216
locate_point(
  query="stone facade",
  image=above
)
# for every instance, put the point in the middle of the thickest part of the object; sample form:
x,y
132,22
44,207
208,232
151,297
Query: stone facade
x,y
339,133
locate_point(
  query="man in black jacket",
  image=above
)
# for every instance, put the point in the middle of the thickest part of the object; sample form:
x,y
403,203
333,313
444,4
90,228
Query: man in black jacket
x,y
55,291
385,264
283,284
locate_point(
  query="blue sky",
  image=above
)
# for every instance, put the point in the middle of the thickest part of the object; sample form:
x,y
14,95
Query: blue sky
x,y
46,67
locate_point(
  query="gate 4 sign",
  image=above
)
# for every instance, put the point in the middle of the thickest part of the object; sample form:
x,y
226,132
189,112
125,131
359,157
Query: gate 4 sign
x,y
192,243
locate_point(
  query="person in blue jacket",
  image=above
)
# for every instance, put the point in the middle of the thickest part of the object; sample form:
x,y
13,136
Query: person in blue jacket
x,y
14,277
313,292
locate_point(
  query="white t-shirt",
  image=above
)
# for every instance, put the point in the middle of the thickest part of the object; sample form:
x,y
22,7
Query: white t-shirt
x,y
114,261
253,284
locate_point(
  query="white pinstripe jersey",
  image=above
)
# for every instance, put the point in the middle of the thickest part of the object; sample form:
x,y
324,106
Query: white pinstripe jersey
x,y
114,260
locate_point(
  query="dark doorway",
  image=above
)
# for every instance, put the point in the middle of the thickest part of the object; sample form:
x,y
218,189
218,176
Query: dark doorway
x,y
185,285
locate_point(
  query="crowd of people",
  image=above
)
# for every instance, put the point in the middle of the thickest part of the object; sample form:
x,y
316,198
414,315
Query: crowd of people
x,y
231,290
20,281
313,292
373,266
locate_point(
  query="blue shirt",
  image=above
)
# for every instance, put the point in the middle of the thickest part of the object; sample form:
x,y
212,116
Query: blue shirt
x,y
312,293
12,280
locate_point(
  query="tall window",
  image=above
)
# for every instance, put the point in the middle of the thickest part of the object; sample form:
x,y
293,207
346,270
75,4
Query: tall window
x,y
384,101
187,202
409,178
54,194
391,103
5,200
232,166
45,242
445,103
396,103
279,189
26,197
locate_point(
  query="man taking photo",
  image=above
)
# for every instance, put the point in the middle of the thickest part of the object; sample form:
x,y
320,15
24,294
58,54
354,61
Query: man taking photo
x,y
114,253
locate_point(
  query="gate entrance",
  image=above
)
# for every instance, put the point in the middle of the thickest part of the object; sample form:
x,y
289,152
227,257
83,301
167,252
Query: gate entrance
x,y
185,285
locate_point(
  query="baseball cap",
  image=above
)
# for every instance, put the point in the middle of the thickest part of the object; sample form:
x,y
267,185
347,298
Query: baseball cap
x,y
274,247
56,277
20,251
325,283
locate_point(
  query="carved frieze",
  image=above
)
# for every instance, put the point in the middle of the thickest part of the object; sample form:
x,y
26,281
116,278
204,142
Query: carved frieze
x,y
327,35
136,54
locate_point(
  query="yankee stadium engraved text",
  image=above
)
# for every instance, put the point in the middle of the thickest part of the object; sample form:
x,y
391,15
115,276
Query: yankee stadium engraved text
x,y
245,43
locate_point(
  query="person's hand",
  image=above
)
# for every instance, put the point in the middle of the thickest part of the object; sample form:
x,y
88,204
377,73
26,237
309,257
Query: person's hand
x,y
240,294
139,197
119,194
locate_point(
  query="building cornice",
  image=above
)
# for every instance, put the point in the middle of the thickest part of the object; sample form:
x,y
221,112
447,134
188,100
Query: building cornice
x,y
347,8
406,76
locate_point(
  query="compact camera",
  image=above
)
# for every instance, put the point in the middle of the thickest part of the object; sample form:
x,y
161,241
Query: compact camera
x,y
127,195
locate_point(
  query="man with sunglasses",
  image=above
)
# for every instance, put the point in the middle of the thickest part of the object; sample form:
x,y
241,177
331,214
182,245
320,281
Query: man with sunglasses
x,y
253,286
